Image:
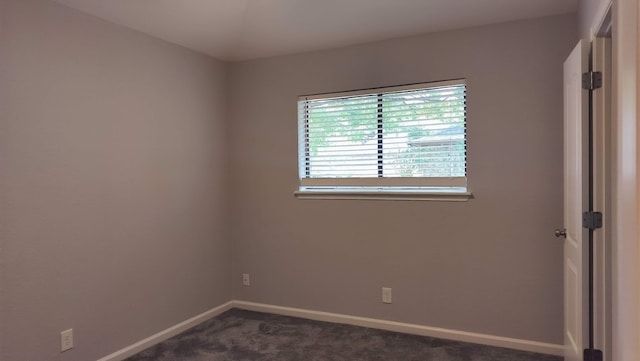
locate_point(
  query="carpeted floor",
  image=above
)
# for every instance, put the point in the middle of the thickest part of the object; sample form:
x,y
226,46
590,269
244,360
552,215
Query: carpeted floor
x,y
239,335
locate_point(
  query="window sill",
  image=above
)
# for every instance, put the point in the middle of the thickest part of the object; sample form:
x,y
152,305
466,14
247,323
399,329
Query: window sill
x,y
447,195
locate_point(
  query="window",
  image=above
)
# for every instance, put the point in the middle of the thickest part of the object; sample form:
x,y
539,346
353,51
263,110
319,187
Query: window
x,y
404,141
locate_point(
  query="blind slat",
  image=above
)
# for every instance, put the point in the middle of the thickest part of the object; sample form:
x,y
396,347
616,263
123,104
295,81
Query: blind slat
x,y
414,134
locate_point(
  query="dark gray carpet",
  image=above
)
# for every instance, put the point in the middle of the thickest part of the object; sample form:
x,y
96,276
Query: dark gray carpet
x,y
239,335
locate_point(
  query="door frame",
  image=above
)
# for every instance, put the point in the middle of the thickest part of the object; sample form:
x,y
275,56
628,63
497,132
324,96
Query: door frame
x,y
625,179
603,138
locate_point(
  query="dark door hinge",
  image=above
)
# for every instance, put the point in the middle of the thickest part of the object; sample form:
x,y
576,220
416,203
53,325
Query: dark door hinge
x,y
592,220
592,80
592,355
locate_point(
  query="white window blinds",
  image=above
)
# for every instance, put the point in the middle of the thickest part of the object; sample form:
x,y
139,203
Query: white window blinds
x,y
397,137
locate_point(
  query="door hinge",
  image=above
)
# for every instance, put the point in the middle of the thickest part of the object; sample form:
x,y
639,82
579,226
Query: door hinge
x,y
592,80
592,355
592,220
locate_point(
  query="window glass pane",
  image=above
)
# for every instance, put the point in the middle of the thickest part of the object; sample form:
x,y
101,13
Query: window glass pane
x,y
424,133
342,137
414,132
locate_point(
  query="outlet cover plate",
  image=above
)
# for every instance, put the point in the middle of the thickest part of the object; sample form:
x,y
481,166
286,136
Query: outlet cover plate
x,y
386,295
66,340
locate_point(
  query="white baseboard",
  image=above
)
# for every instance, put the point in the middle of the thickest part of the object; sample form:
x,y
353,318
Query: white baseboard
x,y
498,341
168,333
512,343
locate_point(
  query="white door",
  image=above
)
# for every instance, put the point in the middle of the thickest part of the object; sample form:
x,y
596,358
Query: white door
x,y
575,201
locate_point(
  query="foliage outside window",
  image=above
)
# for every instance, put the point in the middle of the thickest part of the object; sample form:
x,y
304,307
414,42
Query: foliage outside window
x,y
396,139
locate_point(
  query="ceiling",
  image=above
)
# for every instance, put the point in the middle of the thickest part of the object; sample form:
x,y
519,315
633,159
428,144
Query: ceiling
x,y
249,29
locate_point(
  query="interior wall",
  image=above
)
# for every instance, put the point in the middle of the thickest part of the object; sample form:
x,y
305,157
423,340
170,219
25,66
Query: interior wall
x,y
113,210
490,265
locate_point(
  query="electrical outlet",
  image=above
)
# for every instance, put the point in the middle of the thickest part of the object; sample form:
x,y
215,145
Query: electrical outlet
x,y
246,281
66,340
386,295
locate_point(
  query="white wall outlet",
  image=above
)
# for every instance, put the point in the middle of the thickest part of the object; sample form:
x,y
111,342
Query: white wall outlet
x,y
66,340
386,295
246,281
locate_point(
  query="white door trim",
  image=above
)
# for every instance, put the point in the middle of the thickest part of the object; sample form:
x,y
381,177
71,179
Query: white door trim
x,y
625,252
625,201
625,181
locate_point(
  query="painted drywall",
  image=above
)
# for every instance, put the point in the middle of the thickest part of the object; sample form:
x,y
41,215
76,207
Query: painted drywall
x,y
590,14
490,265
113,177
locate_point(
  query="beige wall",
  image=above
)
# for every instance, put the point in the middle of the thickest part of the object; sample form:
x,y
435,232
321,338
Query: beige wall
x,y
491,265
112,173
117,217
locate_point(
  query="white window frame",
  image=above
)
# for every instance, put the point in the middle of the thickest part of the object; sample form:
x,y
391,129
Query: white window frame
x,y
386,188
